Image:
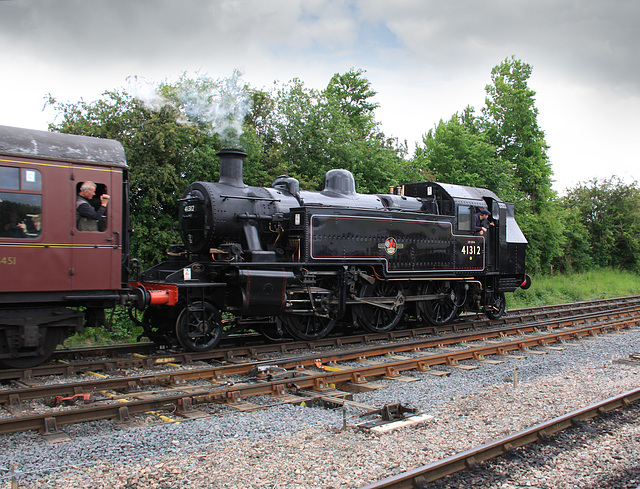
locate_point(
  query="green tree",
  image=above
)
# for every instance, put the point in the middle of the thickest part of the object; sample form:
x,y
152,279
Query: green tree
x,y
610,212
511,119
457,152
545,233
260,140
299,133
349,97
577,255
335,128
511,125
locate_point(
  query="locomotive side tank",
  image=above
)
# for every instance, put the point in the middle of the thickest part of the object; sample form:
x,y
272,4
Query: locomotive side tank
x,y
296,262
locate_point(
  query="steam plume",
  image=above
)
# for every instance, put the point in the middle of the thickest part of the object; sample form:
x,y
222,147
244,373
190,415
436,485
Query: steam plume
x,y
219,106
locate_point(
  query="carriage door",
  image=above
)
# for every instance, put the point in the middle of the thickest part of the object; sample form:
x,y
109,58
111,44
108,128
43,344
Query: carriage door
x,y
96,253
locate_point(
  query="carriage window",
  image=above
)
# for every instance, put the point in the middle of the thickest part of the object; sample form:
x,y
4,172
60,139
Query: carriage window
x,y
20,215
464,218
90,206
31,179
9,178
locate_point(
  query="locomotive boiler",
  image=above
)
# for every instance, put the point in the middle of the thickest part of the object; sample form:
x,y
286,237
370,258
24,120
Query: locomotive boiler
x,y
285,261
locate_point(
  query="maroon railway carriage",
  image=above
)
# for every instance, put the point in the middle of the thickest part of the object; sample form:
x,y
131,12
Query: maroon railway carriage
x,y
54,277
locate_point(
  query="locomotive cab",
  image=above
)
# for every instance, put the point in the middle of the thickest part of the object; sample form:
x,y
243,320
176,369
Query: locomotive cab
x,y
504,243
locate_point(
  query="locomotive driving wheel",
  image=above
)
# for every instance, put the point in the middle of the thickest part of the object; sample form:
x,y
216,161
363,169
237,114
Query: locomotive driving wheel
x,y
495,308
442,309
308,327
199,326
313,313
376,315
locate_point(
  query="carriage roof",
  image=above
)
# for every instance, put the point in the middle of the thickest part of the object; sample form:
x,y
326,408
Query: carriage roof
x,y
31,143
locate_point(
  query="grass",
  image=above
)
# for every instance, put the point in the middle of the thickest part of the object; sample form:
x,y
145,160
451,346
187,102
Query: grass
x,y
559,289
122,330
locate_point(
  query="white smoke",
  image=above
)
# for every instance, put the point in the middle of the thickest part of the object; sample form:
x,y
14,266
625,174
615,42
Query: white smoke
x,y
219,106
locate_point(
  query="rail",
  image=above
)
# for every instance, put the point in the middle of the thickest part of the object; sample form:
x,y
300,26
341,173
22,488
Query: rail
x,y
469,458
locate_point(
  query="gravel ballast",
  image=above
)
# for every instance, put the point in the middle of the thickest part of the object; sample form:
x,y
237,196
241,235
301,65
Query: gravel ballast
x,y
306,447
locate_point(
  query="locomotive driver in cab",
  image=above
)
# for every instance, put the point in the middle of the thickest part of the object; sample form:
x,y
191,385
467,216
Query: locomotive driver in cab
x,y
482,221
87,217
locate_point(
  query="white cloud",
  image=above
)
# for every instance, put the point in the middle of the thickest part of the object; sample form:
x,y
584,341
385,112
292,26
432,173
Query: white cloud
x,y
427,59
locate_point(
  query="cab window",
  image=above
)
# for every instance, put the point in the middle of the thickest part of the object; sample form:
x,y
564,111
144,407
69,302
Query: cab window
x,y
464,218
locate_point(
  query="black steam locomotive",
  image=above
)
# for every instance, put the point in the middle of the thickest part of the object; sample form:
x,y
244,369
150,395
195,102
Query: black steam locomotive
x,y
278,260
285,261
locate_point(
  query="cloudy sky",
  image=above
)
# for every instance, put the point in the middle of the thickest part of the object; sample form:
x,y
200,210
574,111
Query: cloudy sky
x,y
427,59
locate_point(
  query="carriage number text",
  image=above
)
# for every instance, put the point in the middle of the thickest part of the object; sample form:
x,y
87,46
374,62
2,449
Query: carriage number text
x,y
8,260
471,250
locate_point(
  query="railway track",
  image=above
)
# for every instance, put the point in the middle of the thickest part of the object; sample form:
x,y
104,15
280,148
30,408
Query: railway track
x,y
106,359
327,376
421,476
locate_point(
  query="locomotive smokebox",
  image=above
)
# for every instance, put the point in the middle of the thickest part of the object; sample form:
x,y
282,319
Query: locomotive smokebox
x,y
231,161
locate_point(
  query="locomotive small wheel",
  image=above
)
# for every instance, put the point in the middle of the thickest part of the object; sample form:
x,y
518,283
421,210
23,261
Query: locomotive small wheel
x,y
52,336
379,319
308,327
199,327
438,311
496,308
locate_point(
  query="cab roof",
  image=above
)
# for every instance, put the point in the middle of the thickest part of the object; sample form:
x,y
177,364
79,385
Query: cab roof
x,y
466,193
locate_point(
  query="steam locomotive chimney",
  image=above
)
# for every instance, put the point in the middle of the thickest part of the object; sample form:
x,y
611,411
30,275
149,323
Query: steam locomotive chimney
x,y
231,167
